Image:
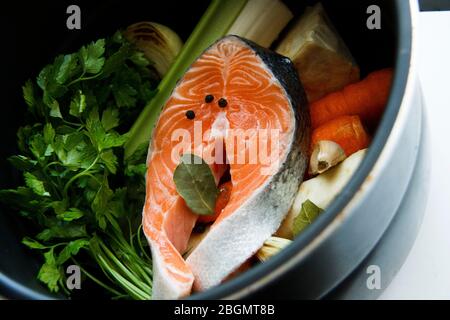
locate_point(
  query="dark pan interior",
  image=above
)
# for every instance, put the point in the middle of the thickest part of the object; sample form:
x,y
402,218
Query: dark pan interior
x,y
36,31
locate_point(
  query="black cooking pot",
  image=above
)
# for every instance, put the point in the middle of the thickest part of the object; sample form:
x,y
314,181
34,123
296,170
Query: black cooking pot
x,y
372,222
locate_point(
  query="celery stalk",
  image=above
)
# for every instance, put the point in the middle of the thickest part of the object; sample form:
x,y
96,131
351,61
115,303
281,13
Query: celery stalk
x,y
214,24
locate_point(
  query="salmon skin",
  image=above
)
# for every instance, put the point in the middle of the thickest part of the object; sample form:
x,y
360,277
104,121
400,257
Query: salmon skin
x,y
234,86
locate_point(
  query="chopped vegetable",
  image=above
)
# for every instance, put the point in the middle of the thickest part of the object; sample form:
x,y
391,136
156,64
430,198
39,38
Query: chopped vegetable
x,y
195,183
366,98
159,43
78,191
321,190
222,200
261,21
214,24
271,247
308,213
347,131
321,57
325,155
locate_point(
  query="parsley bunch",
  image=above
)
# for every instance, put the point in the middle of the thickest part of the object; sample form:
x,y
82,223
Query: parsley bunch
x,y
83,198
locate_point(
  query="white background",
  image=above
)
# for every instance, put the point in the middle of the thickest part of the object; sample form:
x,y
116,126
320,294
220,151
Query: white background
x,y
426,272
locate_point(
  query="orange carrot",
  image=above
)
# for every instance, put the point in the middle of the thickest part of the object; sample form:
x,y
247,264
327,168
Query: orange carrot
x,y
221,202
347,131
366,98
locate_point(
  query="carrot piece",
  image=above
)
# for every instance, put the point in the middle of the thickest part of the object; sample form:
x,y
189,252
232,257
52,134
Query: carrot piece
x,y
366,98
221,202
347,131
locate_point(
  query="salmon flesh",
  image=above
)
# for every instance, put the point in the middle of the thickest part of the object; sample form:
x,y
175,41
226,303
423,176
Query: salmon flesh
x,y
242,107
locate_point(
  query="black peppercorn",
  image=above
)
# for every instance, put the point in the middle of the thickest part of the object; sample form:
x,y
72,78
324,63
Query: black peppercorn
x,y
190,114
209,98
223,102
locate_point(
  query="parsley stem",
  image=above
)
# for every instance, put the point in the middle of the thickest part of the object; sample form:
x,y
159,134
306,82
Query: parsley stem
x,y
108,267
97,281
92,77
51,164
134,261
132,289
72,123
139,233
63,286
83,78
82,173
132,277
77,79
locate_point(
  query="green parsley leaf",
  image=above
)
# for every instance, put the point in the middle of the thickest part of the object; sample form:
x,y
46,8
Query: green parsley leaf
x,y
110,118
73,140
101,203
71,249
117,204
22,162
112,139
38,146
136,169
67,69
35,184
116,60
92,56
139,59
22,197
71,214
33,244
44,76
125,95
109,160
49,133
63,231
49,272
53,104
28,94
23,135
78,104
59,206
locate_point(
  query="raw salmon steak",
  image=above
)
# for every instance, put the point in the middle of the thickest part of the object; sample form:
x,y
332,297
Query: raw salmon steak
x,y
243,104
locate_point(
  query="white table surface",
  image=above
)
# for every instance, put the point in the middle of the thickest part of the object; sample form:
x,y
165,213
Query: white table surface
x,y
426,272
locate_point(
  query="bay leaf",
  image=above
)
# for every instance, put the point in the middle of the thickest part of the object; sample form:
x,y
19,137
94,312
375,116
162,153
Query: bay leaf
x,y
195,183
308,213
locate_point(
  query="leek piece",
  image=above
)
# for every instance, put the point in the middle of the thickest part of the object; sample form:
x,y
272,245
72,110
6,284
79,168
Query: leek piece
x,y
261,21
214,24
159,43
